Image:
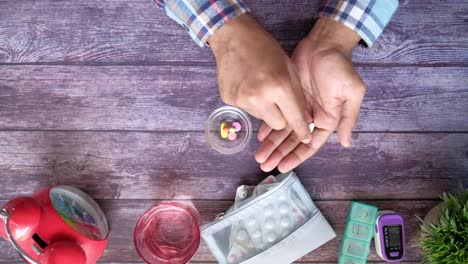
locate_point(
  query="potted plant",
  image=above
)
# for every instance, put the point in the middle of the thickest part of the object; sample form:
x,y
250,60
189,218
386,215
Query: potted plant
x,y
445,231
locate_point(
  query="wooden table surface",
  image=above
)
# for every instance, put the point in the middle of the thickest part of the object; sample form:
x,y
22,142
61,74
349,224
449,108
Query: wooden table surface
x,y
111,96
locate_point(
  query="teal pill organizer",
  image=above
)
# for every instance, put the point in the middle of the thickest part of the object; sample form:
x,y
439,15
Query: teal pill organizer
x,y
358,234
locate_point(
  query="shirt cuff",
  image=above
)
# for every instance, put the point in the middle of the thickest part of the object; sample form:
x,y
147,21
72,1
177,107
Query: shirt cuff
x,y
201,18
368,18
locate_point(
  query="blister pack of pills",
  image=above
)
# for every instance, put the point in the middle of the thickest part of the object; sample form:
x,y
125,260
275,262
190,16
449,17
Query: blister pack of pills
x,y
275,222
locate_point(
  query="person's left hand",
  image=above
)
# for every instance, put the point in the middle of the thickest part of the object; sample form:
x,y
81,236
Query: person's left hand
x,y
333,91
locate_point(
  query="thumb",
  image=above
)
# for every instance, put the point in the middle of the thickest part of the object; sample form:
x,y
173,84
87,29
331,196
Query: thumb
x,y
349,117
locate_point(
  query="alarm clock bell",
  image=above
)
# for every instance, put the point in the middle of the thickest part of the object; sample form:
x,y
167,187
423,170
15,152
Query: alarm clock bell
x,y
60,224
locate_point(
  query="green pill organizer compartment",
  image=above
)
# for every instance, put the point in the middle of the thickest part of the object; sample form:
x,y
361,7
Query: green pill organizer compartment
x,y
358,234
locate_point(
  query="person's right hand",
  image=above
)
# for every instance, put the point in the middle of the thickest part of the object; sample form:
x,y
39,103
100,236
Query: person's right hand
x,y
255,74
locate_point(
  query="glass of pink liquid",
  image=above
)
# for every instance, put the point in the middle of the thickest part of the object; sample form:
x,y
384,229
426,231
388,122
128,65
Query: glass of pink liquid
x,y
168,233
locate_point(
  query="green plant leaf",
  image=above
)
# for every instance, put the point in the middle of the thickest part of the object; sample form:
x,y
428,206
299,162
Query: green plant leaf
x,y
447,242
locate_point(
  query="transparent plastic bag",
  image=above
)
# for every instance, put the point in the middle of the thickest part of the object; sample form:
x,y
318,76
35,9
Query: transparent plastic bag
x,y
279,226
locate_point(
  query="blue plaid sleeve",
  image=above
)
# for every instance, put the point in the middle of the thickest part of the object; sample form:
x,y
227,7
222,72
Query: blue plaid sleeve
x,y
201,18
367,17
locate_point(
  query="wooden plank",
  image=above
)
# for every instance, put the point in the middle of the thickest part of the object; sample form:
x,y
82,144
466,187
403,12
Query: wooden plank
x,y
168,165
166,98
136,31
123,215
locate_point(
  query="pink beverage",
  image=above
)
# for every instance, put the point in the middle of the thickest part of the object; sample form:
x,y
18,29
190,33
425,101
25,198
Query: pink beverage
x,y
168,233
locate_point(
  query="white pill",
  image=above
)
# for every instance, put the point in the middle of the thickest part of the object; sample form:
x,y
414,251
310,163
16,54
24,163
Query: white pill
x,y
311,127
269,224
284,208
256,234
282,198
285,221
271,237
268,211
242,235
251,222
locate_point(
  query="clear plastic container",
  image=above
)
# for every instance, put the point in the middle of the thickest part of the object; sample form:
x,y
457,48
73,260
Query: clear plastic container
x,y
228,115
168,233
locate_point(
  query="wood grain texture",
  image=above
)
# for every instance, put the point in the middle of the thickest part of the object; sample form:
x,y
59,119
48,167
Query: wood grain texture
x,y
424,32
168,165
166,98
130,92
123,215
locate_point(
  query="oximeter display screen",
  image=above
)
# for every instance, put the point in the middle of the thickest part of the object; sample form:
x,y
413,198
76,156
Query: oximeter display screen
x,y
394,236
390,242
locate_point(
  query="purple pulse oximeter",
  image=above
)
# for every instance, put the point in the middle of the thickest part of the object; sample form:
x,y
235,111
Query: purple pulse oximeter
x,y
390,236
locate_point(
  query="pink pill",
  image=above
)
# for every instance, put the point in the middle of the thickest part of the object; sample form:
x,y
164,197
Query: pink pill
x,y
237,126
232,136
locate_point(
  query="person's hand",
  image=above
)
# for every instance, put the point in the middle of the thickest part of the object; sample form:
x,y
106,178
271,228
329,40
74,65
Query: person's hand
x,y
333,91
255,74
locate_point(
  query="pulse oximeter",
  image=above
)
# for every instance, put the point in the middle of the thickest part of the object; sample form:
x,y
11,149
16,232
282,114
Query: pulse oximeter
x,y
390,236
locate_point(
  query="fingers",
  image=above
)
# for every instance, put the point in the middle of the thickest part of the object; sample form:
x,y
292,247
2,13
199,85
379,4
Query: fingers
x,y
273,117
264,131
305,151
294,113
270,143
349,117
288,145
347,122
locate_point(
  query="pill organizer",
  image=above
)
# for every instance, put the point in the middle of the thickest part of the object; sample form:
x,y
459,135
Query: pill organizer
x,y
358,234
278,226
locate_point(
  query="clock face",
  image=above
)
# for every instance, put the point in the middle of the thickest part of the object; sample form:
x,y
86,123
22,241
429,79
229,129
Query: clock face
x,y
80,212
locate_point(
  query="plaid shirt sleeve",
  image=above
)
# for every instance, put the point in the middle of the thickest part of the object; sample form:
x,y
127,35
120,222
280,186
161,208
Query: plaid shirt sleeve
x,y
367,17
201,18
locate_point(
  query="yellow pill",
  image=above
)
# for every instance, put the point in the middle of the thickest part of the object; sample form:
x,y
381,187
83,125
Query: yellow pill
x,y
223,132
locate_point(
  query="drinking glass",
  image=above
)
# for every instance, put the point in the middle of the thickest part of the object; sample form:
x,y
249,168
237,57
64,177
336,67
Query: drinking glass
x,y
168,233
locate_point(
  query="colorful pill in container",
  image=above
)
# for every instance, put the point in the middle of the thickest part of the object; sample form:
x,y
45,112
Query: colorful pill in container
x,y
228,130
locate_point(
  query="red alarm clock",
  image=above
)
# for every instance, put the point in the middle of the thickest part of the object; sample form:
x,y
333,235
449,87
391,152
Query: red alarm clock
x,y
60,224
